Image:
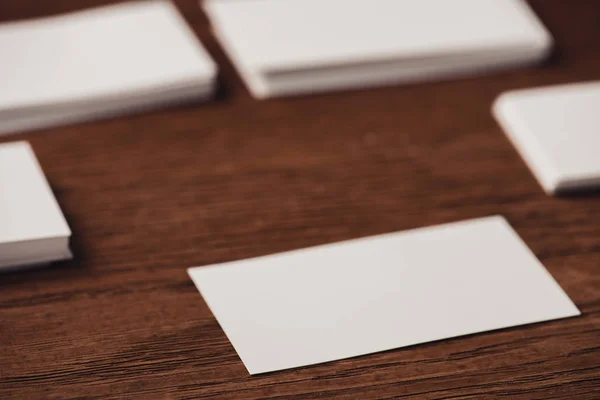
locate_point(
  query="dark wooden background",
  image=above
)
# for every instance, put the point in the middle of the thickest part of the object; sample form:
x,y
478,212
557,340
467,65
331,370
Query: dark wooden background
x,y
149,195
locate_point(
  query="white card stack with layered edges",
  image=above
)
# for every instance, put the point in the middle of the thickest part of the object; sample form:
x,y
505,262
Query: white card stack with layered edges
x,y
380,293
33,229
556,130
286,47
97,63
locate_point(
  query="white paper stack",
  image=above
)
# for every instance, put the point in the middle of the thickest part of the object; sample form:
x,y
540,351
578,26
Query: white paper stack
x,y
286,47
368,295
557,132
96,63
33,229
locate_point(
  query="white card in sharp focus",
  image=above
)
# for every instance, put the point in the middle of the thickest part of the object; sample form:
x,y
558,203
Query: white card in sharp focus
x,y
368,295
556,130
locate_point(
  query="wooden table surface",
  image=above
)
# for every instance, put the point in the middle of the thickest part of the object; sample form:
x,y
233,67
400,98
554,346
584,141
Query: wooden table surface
x,y
149,195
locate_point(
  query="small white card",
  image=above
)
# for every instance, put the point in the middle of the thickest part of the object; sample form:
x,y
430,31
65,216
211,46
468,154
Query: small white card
x,y
368,295
556,130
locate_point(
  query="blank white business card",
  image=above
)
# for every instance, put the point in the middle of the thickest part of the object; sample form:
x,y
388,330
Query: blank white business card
x,y
556,130
284,47
99,62
368,295
33,229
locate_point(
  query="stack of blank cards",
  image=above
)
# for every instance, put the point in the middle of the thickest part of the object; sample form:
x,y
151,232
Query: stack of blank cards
x,y
97,63
557,131
287,47
33,230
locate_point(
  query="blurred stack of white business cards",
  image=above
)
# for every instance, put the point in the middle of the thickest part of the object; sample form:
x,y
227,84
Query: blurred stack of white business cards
x,y
287,47
97,63
557,132
33,229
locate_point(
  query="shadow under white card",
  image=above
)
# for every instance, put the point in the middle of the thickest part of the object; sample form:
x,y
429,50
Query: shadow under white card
x,y
368,295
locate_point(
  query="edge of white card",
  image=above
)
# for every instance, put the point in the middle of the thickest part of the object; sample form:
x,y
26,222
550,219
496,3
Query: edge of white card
x,y
553,289
88,111
199,72
22,152
507,115
380,68
379,74
53,250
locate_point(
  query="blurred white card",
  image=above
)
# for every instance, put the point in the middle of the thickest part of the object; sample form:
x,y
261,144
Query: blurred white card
x,y
33,229
286,47
380,293
99,62
556,130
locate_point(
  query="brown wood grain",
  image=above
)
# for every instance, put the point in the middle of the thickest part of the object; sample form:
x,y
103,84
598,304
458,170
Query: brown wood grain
x,y
149,195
